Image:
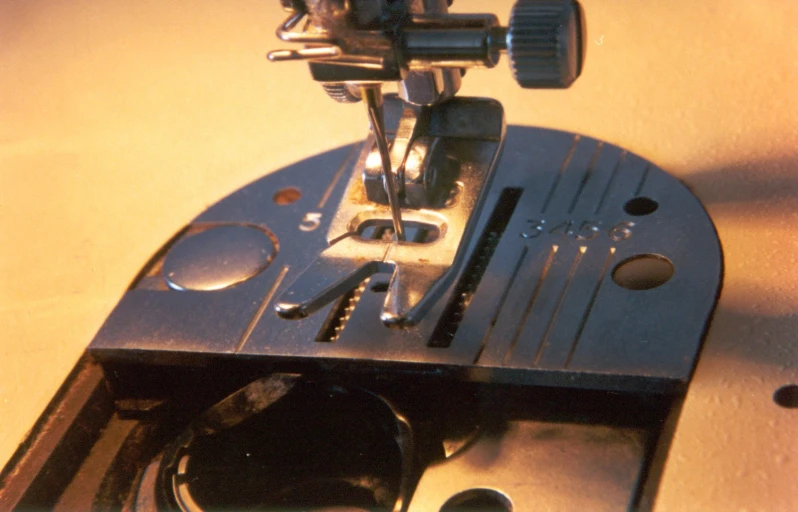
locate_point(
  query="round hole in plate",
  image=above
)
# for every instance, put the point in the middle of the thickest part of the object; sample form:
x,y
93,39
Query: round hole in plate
x,y
640,206
482,500
287,195
643,272
787,396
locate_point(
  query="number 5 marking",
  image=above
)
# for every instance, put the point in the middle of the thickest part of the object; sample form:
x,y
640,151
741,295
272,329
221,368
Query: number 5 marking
x,y
310,221
622,231
587,231
535,228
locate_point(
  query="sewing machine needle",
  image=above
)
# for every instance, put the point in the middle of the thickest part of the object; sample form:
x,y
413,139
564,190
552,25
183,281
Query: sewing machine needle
x,y
372,96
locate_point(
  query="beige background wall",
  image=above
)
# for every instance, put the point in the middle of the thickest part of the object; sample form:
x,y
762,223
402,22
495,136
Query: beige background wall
x,y
120,121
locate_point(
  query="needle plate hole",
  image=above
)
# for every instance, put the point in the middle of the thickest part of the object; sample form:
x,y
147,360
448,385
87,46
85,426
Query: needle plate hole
x,y
640,206
483,500
415,232
787,396
287,195
643,272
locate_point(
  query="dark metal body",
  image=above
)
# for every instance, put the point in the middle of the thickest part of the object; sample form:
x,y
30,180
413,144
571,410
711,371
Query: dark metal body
x,y
547,375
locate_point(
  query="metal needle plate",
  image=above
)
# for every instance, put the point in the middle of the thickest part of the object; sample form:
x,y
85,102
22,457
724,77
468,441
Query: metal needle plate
x,y
588,267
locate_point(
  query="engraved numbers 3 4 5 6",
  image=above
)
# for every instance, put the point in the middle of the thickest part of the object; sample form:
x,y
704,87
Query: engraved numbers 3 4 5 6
x,y
580,230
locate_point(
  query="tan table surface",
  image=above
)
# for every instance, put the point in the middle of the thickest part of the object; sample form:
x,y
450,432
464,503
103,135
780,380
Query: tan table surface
x,y
120,121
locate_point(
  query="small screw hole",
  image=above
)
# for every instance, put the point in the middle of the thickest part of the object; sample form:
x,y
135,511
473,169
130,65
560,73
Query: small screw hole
x,y
643,272
287,195
640,206
787,396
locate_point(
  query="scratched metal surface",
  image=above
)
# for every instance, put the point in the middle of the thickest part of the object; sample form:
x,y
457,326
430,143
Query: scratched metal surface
x,y
121,122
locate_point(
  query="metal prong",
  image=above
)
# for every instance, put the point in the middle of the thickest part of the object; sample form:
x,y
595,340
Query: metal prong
x,y
326,52
372,97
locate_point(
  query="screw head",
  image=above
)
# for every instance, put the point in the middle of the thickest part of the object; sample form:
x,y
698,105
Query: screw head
x,y
545,43
217,258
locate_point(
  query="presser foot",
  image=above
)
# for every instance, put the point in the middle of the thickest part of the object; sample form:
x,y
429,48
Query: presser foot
x,y
446,156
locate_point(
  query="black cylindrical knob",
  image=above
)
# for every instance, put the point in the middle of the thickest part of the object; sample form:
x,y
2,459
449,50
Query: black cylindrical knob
x,y
545,43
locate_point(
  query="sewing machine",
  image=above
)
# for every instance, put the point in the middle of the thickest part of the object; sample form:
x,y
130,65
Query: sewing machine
x,y
451,315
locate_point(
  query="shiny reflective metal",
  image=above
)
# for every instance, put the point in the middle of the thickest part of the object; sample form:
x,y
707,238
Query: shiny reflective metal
x,y
589,268
372,94
217,257
430,87
539,297
419,43
466,132
538,465
360,45
425,174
